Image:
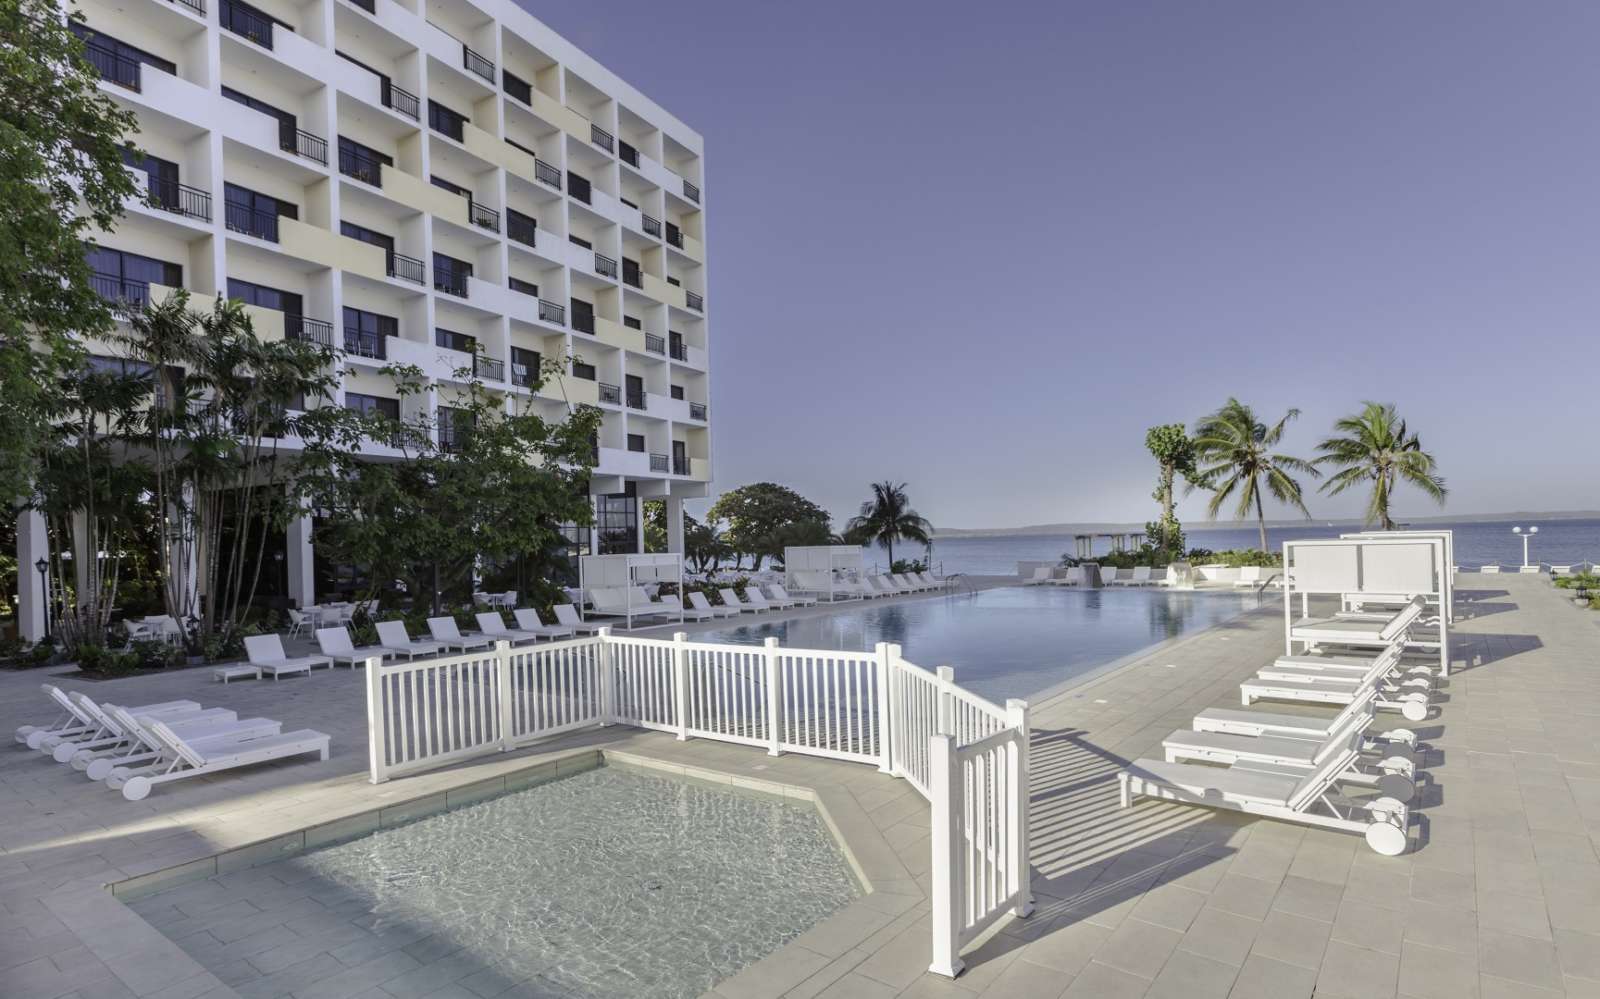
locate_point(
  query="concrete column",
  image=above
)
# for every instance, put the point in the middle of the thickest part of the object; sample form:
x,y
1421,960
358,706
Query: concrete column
x,y
638,521
675,524
299,561
83,550
33,543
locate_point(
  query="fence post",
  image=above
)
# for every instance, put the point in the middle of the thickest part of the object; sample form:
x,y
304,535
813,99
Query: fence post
x,y
947,701
887,726
1017,808
377,736
772,680
608,706
946,870
680,683
503,688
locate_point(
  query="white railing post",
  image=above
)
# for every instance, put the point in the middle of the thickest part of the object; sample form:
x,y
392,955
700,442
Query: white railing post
x,y
608,702
377,735
503,688
769,663
1021,876
947,701
888,725
680,683
943,782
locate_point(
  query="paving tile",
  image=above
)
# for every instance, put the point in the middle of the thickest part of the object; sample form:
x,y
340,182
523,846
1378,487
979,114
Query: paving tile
x,y
1430,973
1521,959
1190,976
1360,974
1264,978
1292,939
1221,936
1138,947
1243,896
1580,954
1169,905
1514,913
1024,978
1369,926
1099,981
1066,947
1310,898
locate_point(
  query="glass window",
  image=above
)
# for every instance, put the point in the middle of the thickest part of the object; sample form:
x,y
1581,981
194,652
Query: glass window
x,y
372,405
445,121
268,298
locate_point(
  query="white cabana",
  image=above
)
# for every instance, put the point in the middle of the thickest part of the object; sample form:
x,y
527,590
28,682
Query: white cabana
x,y
621,578
1372,567
1449,540
829,571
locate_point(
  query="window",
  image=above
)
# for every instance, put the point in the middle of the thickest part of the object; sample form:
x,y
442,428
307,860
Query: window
x,y
161,177
631,273
366,333
438,181
454,426
254,213
582,370
677,391
450,274
636,442
629,155
578,186
250,293
632,323
127,277
365,235
362,162
525,287
516,86
451,340
582,315
522,228
445,121
372,405
115,60
288,124
525,366
625,201
577,240
616,522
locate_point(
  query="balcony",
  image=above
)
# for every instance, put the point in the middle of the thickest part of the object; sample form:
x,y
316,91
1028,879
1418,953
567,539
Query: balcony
x,y
680,350
406,268
452,440
655,344
180,199
113,68
489,368
521,228
364,344
524,376
246,22
681,466
370,6
482,216
695,302
303,143
195,5
631,273
550,312
361,165
252,222
610,393
691,192
636,400
697,411
478,65
449,279
583,322
658,462
544,173
674,235
118,290
402,100
308,330
605,266
600,137
651,226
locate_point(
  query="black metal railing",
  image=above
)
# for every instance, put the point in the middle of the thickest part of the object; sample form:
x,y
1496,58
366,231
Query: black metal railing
x,y
406,268
550,312
363,166
112,66
628,154
655,344
195,5
303,143
605,266
697,411
524,375
452,439
120,290
522,287
522,229
315,331
680,350
367,5
680,466
696,302
651,226
546,174
611,393
483,216
403,101
583,322
180,199
476,63
488,367
252,221
363,344
246,22
658,462
691,192
674,235
631,273
636,399
450,280
600,137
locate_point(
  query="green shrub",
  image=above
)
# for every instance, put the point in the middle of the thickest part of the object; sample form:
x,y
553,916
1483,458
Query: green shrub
x,y
1235,558
99,659
156,654
908,565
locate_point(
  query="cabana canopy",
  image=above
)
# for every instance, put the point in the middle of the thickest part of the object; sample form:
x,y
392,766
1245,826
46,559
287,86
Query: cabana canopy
x,y
1375,568
625,574
818,568
1448,538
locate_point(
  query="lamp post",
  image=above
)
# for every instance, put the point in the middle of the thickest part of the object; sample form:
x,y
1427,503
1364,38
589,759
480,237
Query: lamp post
x,y
1525,536
43,565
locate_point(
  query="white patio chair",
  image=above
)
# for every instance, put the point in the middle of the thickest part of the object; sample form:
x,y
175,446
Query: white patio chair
x,y
1108,575
689,613
265,652
1249,576
444,630
182,759
698,602
730,598
531,621
72,722
144,750
784,595
771,600
393,636
567,617
336,645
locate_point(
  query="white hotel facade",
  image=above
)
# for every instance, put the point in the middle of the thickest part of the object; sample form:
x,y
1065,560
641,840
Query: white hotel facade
x,y
419,182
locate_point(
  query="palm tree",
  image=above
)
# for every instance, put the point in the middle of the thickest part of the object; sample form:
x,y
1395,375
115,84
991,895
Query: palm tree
x,y
1233,454
1377,448
887,517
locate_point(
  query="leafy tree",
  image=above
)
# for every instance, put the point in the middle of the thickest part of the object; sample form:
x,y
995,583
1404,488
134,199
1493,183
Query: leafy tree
x,y
887,517
703,544
1233,452
61,181
756,515
1376,447
1174,453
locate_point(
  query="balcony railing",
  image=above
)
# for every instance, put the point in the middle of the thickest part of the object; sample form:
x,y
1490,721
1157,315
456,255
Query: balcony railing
x,y
628,154
476,63
489,368
697,411
691,192
483,216
605,266
367,5
252,221
658,462
680,466
583,322
550,312
546,174
181,199
524,375
112,67
247,22
453,440
314,331
362,166
303,143
651,226
407,268
403,101
195,5
120,290
522,229
695,301
674,235
636,400
364,344
680,350
611,393
450,281
600,137
655,344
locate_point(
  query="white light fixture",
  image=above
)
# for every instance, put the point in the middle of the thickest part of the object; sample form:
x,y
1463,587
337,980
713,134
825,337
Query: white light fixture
x,y
1525,536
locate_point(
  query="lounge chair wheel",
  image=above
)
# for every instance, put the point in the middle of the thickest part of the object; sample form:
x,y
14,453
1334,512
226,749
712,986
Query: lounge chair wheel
x,y
1398,759
99,769
116,778
1386,838
1397,786
1403,736
36,738
1417,683
137,788
1414,710
64,752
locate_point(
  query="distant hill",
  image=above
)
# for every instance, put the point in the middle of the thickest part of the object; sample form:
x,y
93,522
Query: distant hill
x,y
1068,530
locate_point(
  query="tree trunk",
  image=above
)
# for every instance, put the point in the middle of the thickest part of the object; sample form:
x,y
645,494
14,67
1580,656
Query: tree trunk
x,y
1261,520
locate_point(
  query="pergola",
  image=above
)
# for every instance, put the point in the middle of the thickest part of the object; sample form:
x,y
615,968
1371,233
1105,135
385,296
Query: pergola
x,y
1375,569
823,564
627,572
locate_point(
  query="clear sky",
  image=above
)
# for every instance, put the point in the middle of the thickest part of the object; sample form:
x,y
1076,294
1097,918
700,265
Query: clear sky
x,y
980,247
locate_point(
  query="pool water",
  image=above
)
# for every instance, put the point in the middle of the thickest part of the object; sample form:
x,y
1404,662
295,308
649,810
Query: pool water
x,y
1012,641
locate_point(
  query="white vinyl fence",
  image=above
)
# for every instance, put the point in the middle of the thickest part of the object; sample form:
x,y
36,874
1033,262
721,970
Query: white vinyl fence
x,y
967,756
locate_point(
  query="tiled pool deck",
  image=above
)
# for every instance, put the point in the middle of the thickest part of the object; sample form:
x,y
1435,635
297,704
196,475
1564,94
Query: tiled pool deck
x,y
1499,897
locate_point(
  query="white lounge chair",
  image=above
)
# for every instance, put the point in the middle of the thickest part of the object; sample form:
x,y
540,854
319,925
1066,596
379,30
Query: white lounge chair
x,y
111,737
73,721
1108,575
336,645
615,602
886,586
672,603
784,595
445,631
699,603
567,617
1041,575
532,621
906,583
730,598
1238,722
1361,632
494,628
757,596
266,653
1413,704
182,759
931,582
1306,797
1141,576
393,636
1074,576
1249,575
145,751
